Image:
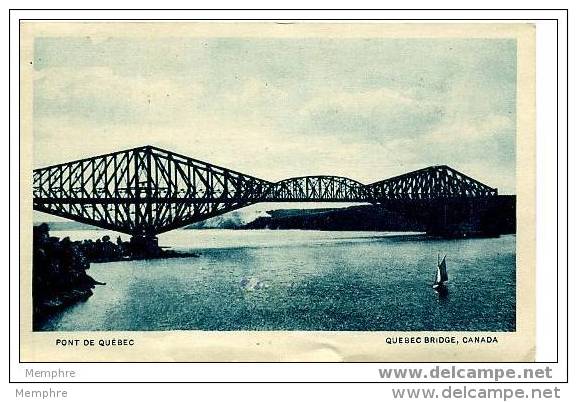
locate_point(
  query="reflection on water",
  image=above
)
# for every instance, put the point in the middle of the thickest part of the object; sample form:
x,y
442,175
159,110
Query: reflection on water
x,y
443,294
303,280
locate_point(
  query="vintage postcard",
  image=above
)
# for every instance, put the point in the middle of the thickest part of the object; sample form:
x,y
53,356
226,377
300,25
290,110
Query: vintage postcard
x,y
262,191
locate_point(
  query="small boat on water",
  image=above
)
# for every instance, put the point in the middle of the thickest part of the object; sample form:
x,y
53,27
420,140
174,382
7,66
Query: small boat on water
x,y
441,277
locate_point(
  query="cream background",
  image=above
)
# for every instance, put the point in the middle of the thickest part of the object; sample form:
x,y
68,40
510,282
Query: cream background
x,y
293,345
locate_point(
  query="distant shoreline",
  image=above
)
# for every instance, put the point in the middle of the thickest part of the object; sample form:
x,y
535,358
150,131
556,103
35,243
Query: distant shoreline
x,y
493,219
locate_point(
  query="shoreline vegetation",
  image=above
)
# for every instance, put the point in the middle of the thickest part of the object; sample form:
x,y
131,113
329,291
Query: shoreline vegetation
x,y
490,220
59,277
494,219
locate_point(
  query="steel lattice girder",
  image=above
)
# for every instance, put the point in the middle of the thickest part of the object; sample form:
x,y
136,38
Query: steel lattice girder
x,y
147,190
430,183
142,191
317,188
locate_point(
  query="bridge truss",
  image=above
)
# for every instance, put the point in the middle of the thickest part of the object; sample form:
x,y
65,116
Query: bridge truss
x,y
146,191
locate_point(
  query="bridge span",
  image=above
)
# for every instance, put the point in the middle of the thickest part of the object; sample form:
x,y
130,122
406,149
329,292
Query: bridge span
x,y
146,191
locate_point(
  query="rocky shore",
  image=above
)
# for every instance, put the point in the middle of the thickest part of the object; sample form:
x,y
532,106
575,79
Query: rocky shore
x,y
104,250
59,277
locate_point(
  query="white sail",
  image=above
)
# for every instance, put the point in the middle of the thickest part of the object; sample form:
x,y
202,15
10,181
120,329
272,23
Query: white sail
x,y
442,275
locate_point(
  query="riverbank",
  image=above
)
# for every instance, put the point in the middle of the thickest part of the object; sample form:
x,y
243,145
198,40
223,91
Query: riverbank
x,y
104,250
59,277
484,217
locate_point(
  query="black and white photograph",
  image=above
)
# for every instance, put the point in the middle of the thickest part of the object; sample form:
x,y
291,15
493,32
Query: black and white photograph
x,y
279,178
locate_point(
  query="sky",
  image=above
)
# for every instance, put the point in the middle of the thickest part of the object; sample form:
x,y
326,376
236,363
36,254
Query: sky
x,y
367,109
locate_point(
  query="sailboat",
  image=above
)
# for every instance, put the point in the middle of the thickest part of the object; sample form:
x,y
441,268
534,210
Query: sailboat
x,y
441,276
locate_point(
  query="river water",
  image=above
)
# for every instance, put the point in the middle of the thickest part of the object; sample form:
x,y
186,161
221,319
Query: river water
x,y
301,280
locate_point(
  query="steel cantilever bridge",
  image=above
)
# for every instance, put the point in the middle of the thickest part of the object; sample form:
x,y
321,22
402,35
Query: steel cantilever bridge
x,y
146,191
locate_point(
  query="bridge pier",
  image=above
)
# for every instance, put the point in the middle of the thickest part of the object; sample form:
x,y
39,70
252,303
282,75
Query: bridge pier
x,y
144,246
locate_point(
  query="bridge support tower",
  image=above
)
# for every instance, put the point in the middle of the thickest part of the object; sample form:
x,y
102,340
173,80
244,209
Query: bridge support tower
x,y
144,245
